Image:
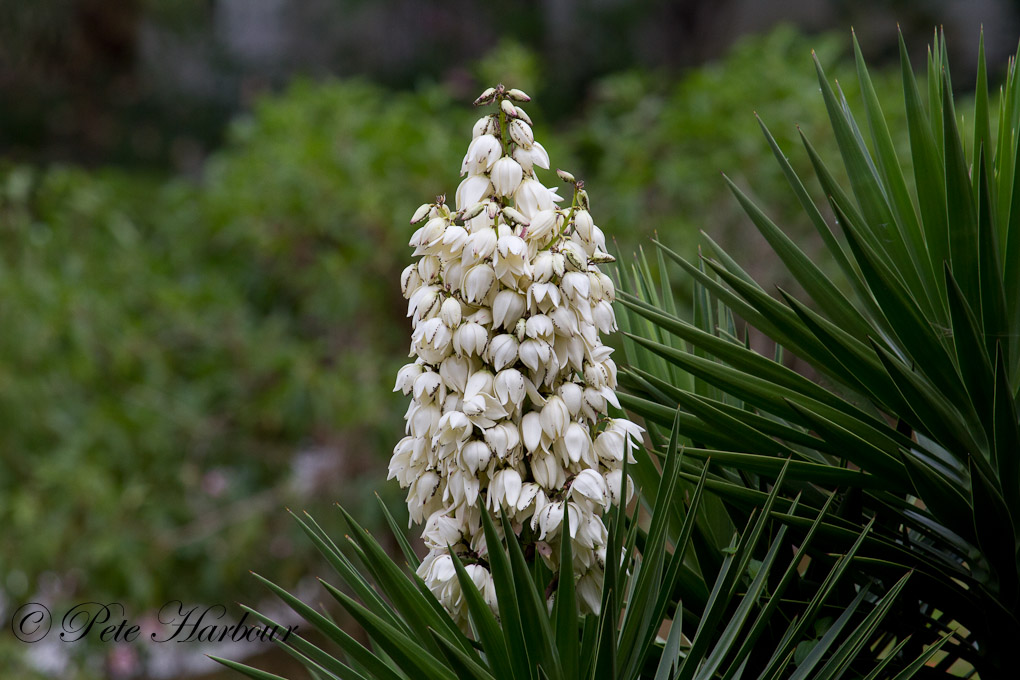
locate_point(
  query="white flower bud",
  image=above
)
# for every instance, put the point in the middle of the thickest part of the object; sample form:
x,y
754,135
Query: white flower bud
x,y
470,214
576,442
605,318
559,264
583,224
475,455
532,197
480,244
429,233
450,312
426,486
508,108
521,133
454,428
564,321
576,258
544,223
594,399
588,485
505,488
589,592
486,125
429,269
520,329
480,382
534,353
542,267
426,386
510,260
614,480
575,287
546,470
507,307
539,156
582,199
523,115
486,96
545,296
514,217
518,95
421,213
478,282
423,301
441,530
502,438
540,327
531,493
424,420
409,281
570,393
406,376
502,351
598,240
454,239
555,417
472,190
481,154
509,387
470,338
531,430
548,520
525,157
506,176
454,372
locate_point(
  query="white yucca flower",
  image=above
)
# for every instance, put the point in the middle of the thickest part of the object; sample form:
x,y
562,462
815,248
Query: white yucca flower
x,y
511,382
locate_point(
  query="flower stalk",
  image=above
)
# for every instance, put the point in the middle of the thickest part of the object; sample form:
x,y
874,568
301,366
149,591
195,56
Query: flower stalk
x,y
510,384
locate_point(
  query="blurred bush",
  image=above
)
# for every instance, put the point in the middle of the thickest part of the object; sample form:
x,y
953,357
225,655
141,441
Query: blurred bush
x,y
180,360
653,150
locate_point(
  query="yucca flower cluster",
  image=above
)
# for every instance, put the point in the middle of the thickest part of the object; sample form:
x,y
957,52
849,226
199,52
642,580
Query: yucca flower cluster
x,y
511,383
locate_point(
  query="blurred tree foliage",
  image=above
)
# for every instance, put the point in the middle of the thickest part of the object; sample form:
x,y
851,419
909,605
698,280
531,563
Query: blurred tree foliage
x,y
654,149
180,360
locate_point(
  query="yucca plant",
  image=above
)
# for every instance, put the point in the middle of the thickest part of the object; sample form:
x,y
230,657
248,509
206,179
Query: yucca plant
x,y
910,411
535,568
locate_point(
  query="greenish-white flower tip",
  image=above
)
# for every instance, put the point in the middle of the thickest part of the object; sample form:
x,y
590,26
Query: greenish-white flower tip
x,y
486,97
421,213
518,95
566,176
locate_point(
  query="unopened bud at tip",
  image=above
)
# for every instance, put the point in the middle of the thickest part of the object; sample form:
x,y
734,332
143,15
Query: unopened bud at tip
x,y
512,215
566,176
582,199
421,213
518,95
486,97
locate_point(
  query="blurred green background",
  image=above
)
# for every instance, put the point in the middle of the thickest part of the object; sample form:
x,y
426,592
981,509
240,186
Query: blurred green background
x,y
203,217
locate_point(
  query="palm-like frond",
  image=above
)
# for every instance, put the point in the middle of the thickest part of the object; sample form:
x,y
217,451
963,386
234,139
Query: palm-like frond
x,y
758,614
918,347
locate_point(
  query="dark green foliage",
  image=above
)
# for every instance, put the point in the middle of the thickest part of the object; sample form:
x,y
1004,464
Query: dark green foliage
x,y
917,365
762,614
